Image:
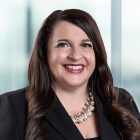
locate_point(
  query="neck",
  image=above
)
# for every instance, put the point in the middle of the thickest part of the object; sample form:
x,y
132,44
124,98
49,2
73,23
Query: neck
x,y
73,99
71,92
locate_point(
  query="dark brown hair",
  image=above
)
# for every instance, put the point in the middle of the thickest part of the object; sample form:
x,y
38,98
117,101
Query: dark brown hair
x,y
38,96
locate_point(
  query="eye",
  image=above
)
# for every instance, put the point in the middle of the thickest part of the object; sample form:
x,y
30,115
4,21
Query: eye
x,y
87,45
62,45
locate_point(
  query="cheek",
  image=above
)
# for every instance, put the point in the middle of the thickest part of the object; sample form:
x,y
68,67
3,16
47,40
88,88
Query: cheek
x,y
53,61
91,58
55,58
52,57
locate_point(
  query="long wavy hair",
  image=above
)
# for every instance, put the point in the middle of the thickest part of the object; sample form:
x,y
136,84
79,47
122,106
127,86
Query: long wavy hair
x,y
39,99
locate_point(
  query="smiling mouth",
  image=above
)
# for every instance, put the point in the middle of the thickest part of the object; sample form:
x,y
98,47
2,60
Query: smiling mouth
x,y
74,68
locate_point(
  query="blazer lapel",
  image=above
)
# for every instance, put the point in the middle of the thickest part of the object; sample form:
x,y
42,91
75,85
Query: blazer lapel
x,y
107,130
62,122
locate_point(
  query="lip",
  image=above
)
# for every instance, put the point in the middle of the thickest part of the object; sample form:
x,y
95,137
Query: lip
x,y
76,70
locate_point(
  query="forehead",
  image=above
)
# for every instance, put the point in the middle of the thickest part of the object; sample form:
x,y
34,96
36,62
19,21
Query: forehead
x,y
67,29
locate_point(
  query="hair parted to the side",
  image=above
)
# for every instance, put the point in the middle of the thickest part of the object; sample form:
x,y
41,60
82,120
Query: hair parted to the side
x,y
38,96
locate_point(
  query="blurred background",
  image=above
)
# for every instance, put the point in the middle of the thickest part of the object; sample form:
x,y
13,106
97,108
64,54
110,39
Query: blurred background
x,y
118,21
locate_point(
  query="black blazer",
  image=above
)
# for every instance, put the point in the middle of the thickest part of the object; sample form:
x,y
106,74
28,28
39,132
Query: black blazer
x,y
13,119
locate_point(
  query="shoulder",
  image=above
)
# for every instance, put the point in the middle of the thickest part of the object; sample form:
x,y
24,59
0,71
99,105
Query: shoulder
x,y
15,93
17,96
12,114
124,97
12,100
126,100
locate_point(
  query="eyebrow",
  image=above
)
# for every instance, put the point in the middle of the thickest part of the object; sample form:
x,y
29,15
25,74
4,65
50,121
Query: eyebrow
x,y
86,40
66,40
63,40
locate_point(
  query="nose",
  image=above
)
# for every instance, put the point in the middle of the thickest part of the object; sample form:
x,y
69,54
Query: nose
x,y
75,54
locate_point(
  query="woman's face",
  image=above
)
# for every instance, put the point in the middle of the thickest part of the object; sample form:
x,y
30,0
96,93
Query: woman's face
x,y
71,57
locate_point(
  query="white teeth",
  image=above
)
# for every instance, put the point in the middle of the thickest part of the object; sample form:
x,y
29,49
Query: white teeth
x,y
74,67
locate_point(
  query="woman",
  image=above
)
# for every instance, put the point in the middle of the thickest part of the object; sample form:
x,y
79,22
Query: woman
x,y
71,95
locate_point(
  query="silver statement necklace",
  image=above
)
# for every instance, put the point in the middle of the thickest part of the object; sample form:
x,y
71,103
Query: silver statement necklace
x,y
87,111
